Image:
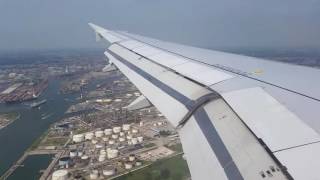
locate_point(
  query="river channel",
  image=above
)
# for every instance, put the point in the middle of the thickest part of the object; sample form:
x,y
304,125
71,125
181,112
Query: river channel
x,y
19,135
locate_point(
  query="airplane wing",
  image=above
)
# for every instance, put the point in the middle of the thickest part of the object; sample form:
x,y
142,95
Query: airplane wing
x,y
238,117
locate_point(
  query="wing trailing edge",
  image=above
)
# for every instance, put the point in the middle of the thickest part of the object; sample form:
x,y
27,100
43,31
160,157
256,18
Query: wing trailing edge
x,y
221,138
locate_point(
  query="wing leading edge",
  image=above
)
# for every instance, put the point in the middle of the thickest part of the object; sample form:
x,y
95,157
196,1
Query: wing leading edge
x,y
221,138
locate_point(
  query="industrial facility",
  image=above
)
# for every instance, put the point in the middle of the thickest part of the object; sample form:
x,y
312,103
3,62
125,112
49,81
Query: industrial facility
x,y
106,152
114,130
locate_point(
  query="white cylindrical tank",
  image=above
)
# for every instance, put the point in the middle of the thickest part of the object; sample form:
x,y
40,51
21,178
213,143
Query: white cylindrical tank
x,y
94,174
132,158
84,157
134,141
93,141
134,131
103,152
108,132
128,165
99,146
61,174
78,138
115,136
113,153
138,163
140,139
109,171
126,127
121,139
98,134
129,137
111,142
89,135
80,153
73,153
116,129
102,158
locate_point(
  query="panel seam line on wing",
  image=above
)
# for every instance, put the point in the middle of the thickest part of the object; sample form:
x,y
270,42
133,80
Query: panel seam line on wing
x,y
219,67
205,123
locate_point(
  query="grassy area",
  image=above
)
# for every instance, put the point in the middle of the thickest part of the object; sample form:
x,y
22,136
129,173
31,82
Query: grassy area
x,y
176,147
80,130
44,140
55,141
174,168
36,143
149,145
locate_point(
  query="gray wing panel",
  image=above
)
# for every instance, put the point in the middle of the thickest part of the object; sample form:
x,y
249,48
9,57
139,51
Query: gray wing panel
x,y
165,101
293,90
216,150
293,78
252,127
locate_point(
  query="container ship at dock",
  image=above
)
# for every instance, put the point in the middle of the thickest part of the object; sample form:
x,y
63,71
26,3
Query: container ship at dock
x,y
23,92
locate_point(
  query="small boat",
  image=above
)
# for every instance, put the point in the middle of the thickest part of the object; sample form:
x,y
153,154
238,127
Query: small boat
x,y
38,104
46,116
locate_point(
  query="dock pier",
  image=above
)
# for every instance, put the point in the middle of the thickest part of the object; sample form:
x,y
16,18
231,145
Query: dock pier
x,y
19,162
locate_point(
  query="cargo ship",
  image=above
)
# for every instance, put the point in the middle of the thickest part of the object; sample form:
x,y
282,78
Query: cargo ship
x,y
37,104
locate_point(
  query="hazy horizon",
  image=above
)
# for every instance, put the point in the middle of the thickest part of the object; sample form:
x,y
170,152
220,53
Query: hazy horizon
x,y
60,24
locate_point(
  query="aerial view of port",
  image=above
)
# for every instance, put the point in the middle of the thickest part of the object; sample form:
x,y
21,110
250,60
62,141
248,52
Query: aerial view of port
x,y
69,117
159,90
73,118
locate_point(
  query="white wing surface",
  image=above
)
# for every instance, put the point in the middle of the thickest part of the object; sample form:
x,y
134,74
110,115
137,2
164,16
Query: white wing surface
x,y
238,117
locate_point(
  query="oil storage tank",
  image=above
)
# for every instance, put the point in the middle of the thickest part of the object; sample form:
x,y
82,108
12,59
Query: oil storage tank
x,y
61,174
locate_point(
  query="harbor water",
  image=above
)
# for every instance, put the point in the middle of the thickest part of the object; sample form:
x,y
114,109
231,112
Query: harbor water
x,y
31,166
17,137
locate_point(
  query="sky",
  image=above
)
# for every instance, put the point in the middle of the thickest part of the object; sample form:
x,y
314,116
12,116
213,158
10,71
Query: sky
x,y
59,24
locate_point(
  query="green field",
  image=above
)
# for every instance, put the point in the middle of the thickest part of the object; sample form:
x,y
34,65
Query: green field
x,y
177,148
174,168
55,141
